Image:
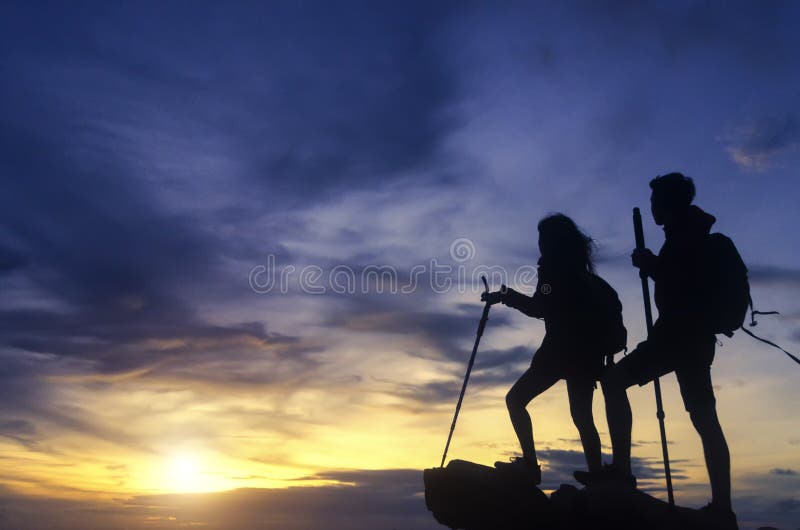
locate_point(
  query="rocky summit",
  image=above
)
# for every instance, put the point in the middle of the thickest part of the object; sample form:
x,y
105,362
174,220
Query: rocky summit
x,y
470,496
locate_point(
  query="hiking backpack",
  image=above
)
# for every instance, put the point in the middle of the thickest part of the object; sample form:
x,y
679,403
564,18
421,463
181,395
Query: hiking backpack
x,y
729,291
609,328
728,294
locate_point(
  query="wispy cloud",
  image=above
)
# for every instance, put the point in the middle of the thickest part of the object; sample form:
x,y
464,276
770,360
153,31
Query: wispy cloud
x,y
356,499
758,146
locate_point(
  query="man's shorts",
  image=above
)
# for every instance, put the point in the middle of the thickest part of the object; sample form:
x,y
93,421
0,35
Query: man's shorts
x,y
690,359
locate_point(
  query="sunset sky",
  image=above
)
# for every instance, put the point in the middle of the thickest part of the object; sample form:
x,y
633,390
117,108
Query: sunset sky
x,y
163,163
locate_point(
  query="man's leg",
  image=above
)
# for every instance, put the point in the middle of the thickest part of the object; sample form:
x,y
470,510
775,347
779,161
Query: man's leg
x,y
718,458
531,384
698,397
615,383
646,362
641,365
580,392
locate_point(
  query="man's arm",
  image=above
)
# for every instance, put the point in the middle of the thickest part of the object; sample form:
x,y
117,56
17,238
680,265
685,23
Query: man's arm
x,y
646,261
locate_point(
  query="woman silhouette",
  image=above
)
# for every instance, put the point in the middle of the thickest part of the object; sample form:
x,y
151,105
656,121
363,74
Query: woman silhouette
x,y
583,324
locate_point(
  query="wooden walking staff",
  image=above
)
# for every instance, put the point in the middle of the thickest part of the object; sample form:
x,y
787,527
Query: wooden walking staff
x,y
648,316
481,327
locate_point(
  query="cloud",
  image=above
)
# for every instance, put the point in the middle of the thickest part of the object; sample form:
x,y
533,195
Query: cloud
x,y
757,146
353,499
493,369
772,275
649,472
48,354
788,505
312,102
358,500
21,431
137,186
767,497
449,334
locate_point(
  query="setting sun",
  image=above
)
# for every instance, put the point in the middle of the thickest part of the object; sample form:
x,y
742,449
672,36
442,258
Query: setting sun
x,y
183,474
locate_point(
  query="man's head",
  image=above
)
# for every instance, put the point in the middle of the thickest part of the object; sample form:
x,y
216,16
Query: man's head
x,y
672,195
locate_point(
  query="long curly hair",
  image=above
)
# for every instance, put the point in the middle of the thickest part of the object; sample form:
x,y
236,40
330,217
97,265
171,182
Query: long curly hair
x,y
569,244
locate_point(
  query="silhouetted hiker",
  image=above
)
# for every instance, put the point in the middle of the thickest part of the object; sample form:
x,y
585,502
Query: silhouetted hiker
x,y
682,339
583,323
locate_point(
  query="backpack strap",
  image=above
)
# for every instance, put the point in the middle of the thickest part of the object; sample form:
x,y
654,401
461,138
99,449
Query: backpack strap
x,y
754,323
765,341
753,313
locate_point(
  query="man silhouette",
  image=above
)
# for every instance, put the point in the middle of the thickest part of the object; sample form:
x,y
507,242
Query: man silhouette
x,y
682,340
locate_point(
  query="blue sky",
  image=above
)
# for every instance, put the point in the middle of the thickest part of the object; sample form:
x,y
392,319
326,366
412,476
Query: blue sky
x,y
154,155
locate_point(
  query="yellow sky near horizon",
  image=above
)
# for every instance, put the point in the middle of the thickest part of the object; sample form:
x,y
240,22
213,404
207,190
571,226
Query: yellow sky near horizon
x,y
141,435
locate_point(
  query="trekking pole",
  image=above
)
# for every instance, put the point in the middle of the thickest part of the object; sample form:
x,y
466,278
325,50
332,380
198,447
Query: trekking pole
x,y
481,327
648,316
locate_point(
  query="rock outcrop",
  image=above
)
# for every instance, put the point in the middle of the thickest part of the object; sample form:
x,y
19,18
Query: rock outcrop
x,y
470,496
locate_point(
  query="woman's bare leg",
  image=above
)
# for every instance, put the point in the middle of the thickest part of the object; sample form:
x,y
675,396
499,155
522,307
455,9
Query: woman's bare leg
x,y
527,387
580,392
